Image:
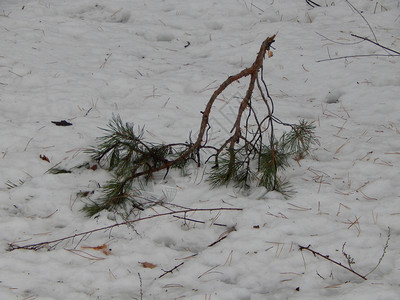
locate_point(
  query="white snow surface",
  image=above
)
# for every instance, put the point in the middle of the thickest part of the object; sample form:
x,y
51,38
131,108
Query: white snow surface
x,y
83,61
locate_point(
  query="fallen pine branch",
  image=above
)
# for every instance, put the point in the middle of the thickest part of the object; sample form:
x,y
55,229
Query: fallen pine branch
x,y
50,245
248,154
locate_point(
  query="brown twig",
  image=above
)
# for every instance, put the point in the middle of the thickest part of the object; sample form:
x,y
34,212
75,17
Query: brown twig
x,y
223,235
312,3
141,286
376,43
197,145
170,271
53,243
331,260
198,221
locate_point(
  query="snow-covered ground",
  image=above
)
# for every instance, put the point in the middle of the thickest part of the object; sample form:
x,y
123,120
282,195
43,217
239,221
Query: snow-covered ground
x,y
156,63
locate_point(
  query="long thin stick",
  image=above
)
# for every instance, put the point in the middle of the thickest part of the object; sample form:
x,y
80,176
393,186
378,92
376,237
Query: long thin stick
x,y
331,260
355,56
312,3
375,43
13,246
361,15
396,53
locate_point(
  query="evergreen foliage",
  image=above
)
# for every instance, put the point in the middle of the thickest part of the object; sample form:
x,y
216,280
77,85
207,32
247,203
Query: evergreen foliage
x,y
260,163
247,157
127,155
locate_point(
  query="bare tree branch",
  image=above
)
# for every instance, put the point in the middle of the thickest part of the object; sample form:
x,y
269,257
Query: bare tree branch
x,y
53,243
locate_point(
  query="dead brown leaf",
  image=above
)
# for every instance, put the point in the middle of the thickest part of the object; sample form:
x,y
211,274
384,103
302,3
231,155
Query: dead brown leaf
x,y
44,157
103,248
148,265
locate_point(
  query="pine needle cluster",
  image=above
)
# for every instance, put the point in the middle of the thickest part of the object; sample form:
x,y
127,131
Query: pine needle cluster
x,y
259,163
132,161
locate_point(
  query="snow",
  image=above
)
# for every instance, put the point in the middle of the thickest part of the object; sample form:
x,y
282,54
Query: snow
x,y
156,63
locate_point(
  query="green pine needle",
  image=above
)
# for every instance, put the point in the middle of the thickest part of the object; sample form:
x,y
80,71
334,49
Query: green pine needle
x,y
124,152
298,141
232,166
116,196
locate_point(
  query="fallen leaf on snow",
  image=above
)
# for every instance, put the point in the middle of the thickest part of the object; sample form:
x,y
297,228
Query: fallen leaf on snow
x,y
44,157
148,265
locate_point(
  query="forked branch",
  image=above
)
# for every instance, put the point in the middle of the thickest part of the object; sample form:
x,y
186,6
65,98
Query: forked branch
x,y
244,157
349,259
331,260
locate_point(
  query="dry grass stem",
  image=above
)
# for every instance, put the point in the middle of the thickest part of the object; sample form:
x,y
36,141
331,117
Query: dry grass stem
x,y
209,271
298,208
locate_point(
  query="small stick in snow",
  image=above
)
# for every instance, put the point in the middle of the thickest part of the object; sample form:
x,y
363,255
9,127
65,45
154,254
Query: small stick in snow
x,y
197,221
141,287
170,271
312,3
356,56
105,60
223,235
350,260
331,260
375,43
208,271
361,15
